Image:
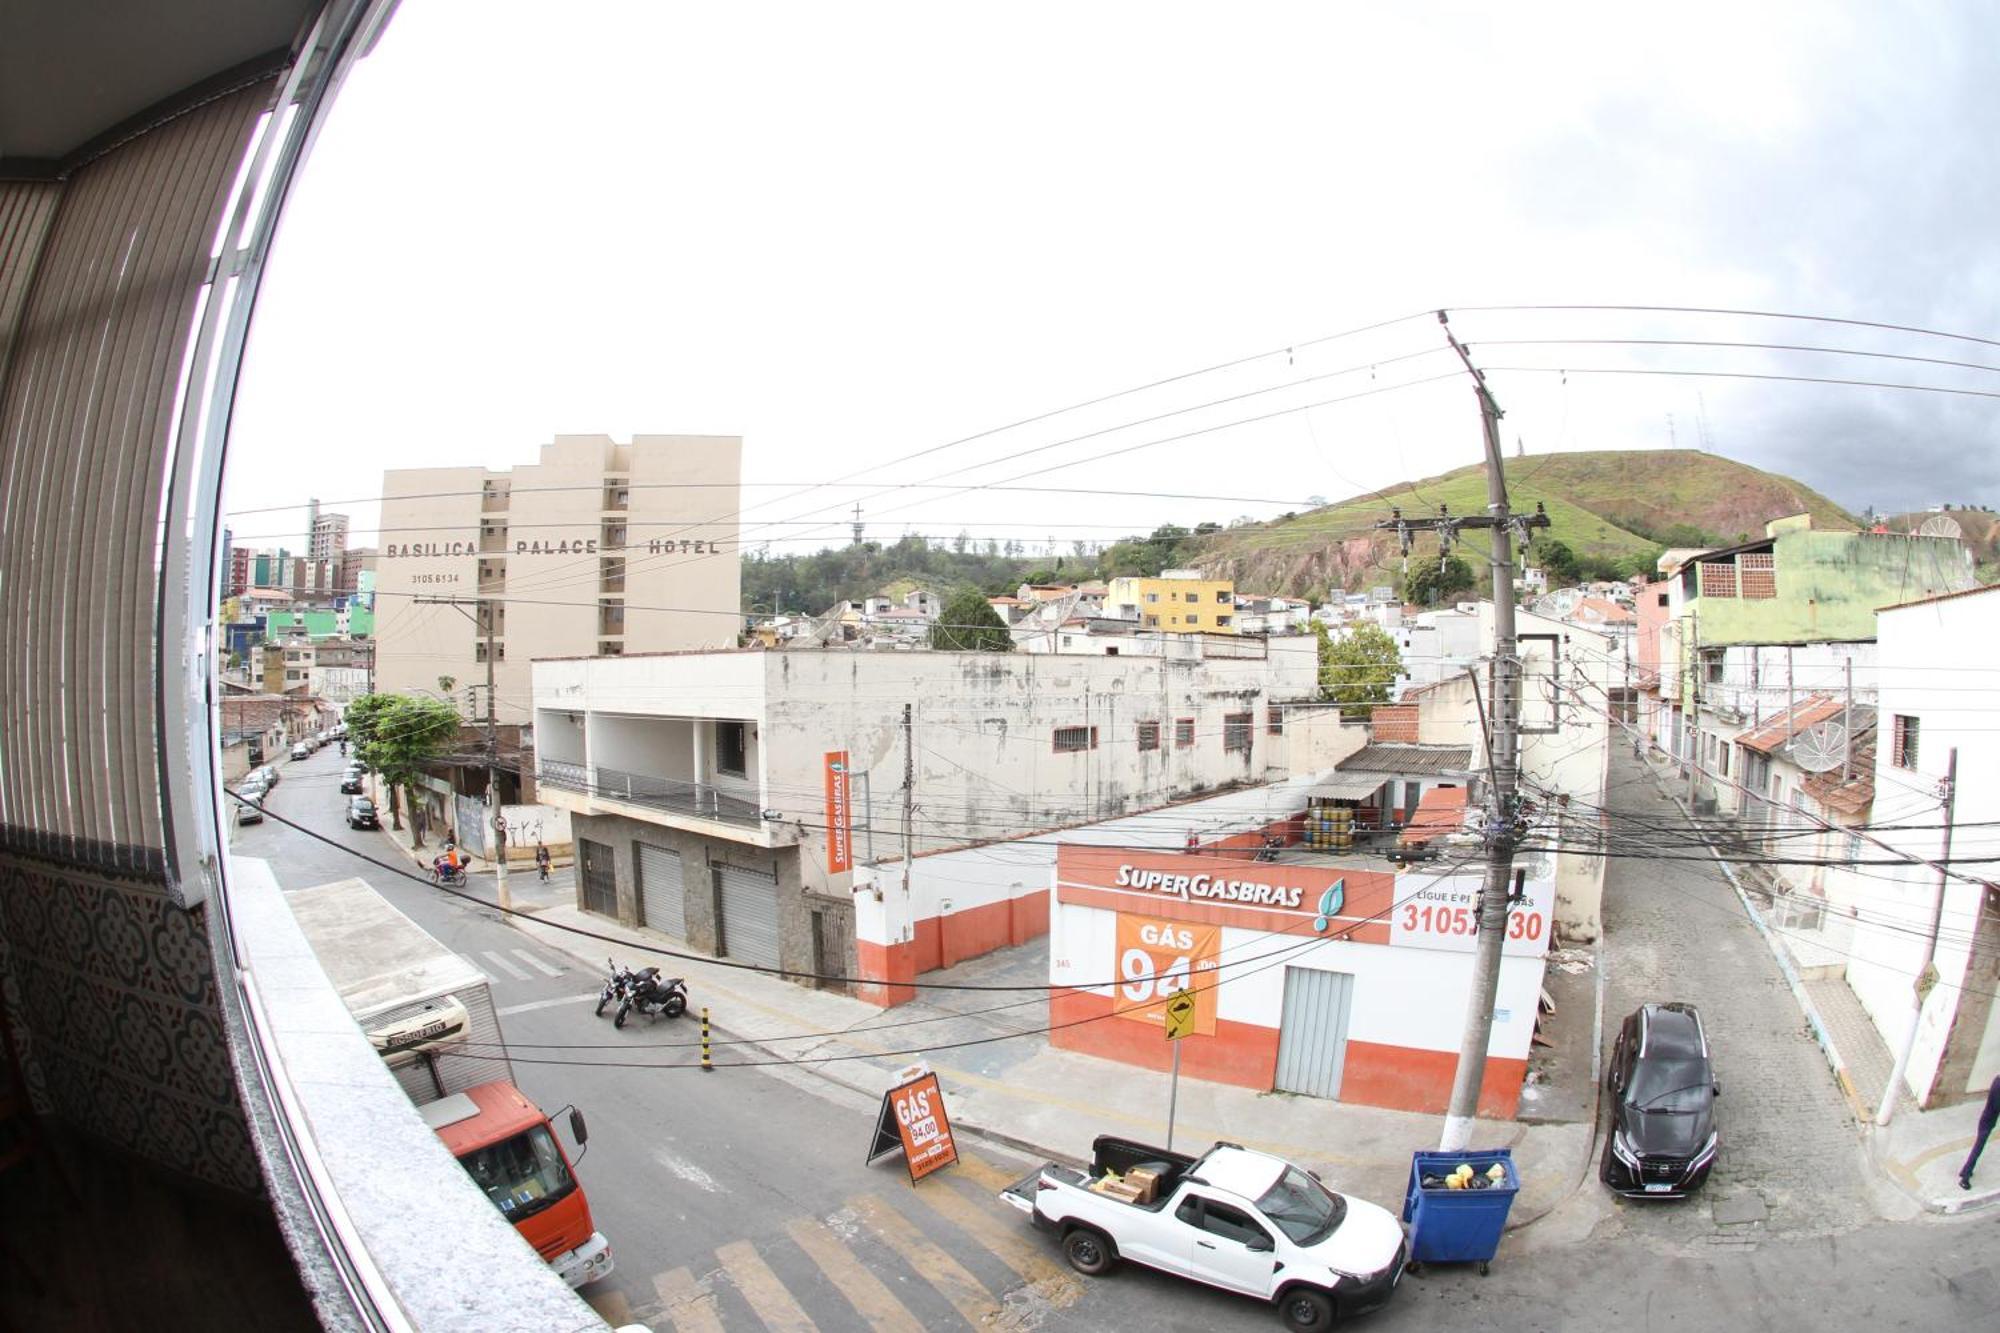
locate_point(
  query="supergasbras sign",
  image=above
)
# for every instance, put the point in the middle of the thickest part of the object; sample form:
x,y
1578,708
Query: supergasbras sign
x,y
1200,886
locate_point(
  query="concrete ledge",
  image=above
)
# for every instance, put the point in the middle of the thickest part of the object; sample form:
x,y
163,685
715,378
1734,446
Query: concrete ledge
x,y
429,1243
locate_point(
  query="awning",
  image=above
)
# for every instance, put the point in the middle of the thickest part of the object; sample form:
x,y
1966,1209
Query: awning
x,y
1347,786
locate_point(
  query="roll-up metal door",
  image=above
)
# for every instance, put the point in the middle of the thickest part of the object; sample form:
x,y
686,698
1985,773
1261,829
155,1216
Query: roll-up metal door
x,y
600,881
662,898
749,900
1312,1032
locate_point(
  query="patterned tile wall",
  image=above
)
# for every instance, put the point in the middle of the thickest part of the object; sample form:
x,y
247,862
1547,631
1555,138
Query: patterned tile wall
x,y
110,991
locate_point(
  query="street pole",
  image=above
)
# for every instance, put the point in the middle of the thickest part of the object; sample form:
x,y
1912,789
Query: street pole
x,y
1505,710
1694,711
1927,973
909,799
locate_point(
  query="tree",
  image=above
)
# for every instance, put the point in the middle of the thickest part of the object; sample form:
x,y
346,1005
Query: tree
x,y
394,734
969,623
1358,669
1427,585
1556,560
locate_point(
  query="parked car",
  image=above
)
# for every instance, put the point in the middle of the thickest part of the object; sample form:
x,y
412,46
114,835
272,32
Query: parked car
x,y
350,781
249,810
361,813
1234,1218
268,775
302,751
1663,1091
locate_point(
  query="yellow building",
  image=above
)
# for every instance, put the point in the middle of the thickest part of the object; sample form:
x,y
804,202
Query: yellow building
x,y
1178,601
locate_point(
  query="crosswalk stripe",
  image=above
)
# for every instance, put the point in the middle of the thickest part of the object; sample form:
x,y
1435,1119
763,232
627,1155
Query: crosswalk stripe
x,y
689,1304
965,1292
499,960
1010,1243
983,1172
864,1291
760,1286
536,963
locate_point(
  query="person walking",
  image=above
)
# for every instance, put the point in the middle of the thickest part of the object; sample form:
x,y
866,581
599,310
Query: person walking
x,y
542,862
1987,1119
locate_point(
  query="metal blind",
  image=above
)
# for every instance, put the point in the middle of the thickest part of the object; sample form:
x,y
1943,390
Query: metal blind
x,y
662,895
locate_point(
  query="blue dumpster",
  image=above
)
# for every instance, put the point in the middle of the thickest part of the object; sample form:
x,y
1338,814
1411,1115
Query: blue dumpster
x,y
1462,1225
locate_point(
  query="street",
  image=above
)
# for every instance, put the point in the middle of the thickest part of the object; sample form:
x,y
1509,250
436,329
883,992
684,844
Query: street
x,y
739,1200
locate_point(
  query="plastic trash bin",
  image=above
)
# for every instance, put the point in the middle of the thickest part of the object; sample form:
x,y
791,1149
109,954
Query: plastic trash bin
x,y
1458,1226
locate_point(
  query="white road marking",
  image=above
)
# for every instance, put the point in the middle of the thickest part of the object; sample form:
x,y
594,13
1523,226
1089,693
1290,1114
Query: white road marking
x,y
536,963
500,961
533,1005
687,1171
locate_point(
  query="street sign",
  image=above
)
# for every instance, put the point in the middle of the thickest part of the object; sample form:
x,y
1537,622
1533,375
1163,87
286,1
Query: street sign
x,y
913,1120
1180,1015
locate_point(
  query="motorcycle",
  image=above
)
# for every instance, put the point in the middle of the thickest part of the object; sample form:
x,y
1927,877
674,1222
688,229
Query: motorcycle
x,y
452,876
652,994
616,986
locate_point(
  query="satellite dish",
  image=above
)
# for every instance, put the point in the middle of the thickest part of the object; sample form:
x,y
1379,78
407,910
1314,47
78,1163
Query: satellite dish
x,y
1938,525
1820,747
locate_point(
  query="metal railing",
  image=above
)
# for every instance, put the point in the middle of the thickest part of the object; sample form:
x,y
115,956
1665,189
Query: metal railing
x,y
698,800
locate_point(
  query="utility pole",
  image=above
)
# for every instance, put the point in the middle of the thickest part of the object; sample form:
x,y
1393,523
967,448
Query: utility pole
x,y
909,798
1503,753
1847,728
496,823
1927,973
1694,711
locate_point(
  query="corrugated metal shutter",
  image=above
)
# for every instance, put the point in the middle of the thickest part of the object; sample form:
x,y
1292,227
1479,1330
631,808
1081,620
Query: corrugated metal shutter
x,y
662,896
1312,1032
600,881
749,915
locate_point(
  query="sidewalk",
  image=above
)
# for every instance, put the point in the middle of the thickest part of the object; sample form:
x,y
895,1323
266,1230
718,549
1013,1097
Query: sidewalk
x,y
1005,1082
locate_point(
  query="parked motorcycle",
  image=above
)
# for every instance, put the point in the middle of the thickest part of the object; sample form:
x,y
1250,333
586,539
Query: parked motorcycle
x,y
617,986
651,994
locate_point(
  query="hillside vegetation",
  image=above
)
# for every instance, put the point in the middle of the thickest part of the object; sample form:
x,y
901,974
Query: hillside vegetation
x,y
1616,509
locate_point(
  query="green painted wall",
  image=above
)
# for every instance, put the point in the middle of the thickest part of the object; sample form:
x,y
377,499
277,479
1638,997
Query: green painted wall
x,y
1830,584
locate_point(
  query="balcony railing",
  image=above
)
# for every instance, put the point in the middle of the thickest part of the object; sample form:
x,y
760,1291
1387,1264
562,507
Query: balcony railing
x,y
696,799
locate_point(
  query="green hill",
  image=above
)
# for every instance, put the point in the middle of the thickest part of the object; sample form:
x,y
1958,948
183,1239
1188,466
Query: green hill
x,y
1619,507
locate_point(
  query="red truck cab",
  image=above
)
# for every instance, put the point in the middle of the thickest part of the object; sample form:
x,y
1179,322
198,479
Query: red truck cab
x,y
511,1151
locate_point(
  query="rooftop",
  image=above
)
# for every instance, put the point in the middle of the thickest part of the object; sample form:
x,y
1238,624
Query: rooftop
x,y
1942,597
1383,757
1772,735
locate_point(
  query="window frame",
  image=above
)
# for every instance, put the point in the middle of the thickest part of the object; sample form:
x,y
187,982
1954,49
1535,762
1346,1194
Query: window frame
x,y
1073,739
1183,733
1239,733
1149,736
742,731
1906,741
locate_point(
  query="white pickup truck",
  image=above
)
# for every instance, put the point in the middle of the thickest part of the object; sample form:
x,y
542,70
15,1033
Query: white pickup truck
x,y
1234,1218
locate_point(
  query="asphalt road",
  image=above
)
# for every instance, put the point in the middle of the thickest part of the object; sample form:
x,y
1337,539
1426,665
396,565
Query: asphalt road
x,y
739,1199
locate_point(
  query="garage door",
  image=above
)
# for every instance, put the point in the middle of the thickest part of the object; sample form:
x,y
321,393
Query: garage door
x,y
1312,1033
600,881
662,898
749,902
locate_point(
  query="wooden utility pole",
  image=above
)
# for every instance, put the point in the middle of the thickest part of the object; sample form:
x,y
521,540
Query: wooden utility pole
x,y
1503,754
496,823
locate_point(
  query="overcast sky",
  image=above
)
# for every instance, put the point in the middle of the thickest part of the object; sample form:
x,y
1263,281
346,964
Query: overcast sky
x,y
851,233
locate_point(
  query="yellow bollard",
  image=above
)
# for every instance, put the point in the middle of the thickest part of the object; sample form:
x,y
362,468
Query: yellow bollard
x,y
706,1062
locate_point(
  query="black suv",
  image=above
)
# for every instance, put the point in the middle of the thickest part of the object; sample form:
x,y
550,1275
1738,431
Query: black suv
x,y
1663,1093
361,813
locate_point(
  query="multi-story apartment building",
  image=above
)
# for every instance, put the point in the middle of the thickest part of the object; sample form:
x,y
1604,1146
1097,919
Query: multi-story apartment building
x,y
597,548
1179,601
326,534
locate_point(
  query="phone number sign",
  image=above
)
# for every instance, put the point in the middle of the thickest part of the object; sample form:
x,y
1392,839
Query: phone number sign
x,y
1445,915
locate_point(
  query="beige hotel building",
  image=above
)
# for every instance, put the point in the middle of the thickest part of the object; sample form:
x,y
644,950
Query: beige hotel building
x,y
599,548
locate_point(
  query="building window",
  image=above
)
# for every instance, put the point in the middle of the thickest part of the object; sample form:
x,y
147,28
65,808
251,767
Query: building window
x,y
1905,742
1711,665
732,748
1149,735
1152,597
1075,738
1236,730
1222,620
1663,599
1194,620
479,651
1183,732
1758,574
1274,720
1222,595
1718,579
1194,596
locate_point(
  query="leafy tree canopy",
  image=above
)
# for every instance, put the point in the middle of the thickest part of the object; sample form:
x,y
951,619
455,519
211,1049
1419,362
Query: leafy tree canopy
x,y
1428,585
968,623
1358,669
394,734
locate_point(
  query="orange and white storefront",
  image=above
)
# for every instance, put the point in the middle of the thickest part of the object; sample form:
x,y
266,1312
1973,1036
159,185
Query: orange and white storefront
x,y
1341,978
